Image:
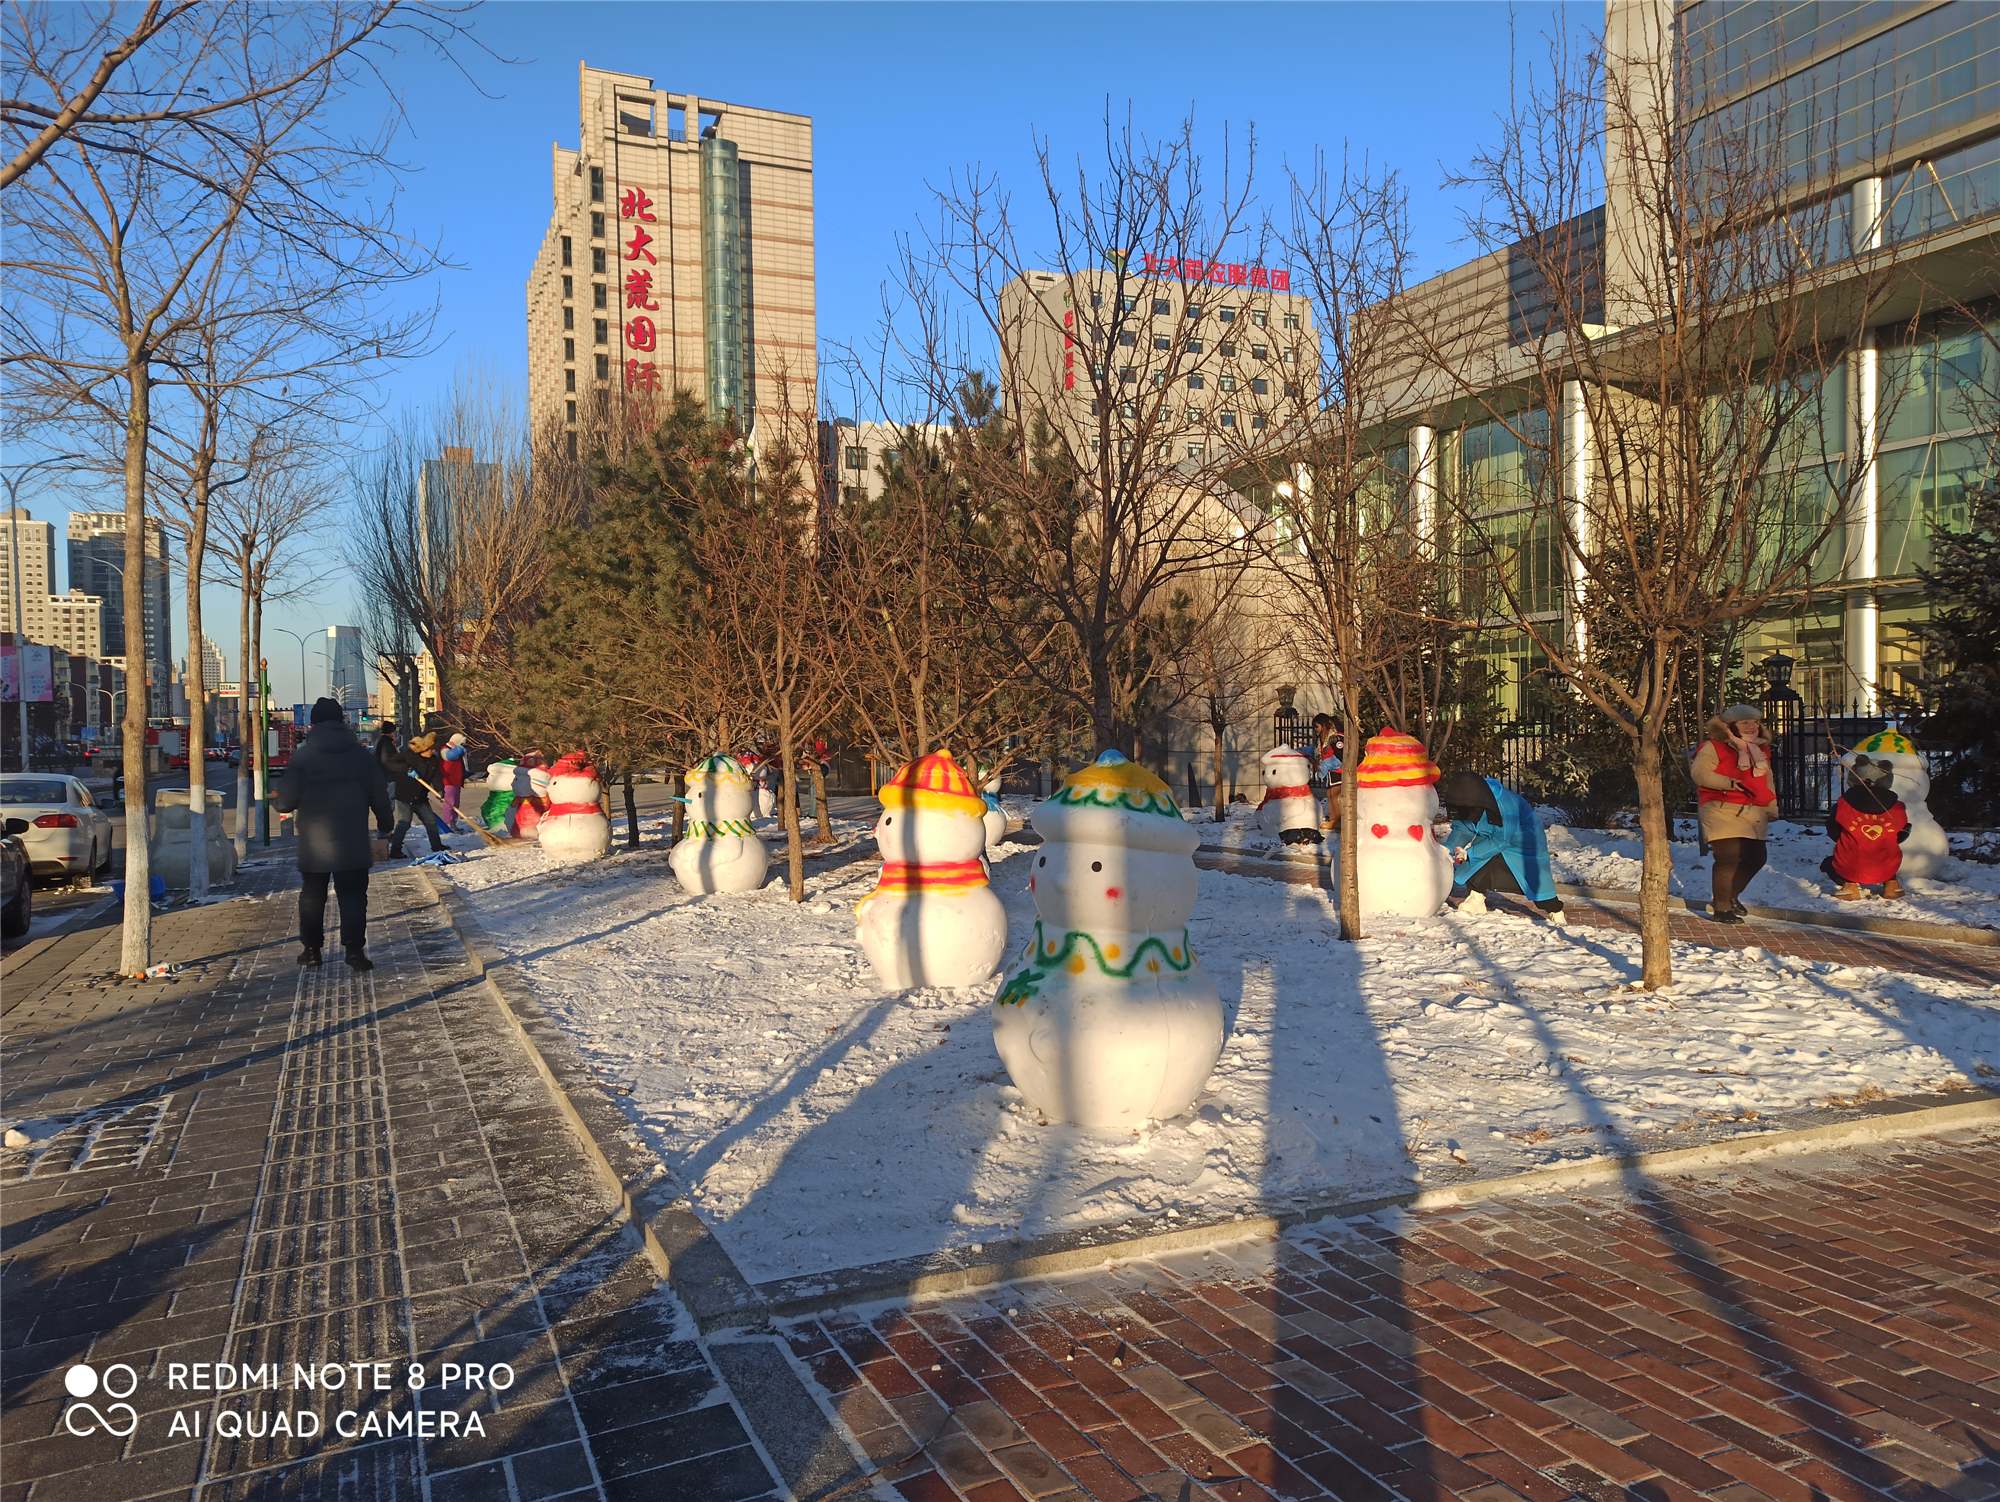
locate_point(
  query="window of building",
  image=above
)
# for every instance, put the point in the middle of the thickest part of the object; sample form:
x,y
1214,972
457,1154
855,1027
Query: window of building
x,y
1194,346
569,349
1162,307
1259,317
569,286
597,294
1257,420
1159,379
1128,304
1127,339
1292,389
1197,450
891,458
565,249
1228,315
857,456
597,260
569,318
597,185
1229,419
1097,299
1196,382
1097,370
597,226
604,367
572,417
1194,312
1126,375
1227,382
1292,322
569,379
1260,351
597,329
1161,341
1259,385
1229,349
1127,410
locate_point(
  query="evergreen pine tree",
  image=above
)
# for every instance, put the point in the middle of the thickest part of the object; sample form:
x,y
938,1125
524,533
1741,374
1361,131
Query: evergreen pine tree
x,y
1956,703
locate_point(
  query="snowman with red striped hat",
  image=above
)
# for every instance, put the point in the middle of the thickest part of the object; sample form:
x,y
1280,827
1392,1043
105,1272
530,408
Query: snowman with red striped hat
x,y
932,919
1401,866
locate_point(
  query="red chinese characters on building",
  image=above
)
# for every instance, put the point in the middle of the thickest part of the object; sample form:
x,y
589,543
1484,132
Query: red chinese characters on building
x,y
642,333
1217,273
1069,349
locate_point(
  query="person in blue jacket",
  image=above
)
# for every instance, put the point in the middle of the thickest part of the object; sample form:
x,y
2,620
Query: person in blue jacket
x,y
1496,844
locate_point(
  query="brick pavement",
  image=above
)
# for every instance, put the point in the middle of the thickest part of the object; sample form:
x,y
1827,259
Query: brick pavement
x,y
268,1164
1825,1327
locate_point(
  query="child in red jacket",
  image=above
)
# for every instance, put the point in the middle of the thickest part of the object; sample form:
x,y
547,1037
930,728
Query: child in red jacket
x,y
1868,826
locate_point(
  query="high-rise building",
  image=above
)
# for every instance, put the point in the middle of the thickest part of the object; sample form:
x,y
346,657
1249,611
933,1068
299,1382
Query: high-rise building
x,y
446,487
346,668
97,567
212,667
679,255
73,623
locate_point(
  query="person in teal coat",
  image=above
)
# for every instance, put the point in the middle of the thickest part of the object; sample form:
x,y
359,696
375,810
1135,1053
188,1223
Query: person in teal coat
x,y
1496,844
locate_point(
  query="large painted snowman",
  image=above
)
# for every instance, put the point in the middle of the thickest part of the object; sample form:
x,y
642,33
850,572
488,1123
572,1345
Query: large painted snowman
x,y
1107,1021
1289,811
1403,870
575,829
932,919
1926,850
719,851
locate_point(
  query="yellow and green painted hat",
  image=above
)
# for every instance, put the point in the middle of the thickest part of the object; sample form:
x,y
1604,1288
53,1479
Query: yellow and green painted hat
x,y
1888,743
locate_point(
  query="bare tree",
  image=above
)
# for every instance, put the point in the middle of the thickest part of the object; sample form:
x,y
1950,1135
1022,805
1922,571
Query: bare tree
x,y
1650,385
1224,665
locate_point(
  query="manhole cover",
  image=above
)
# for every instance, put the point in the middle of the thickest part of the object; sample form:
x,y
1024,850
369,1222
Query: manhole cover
x,y
105,1137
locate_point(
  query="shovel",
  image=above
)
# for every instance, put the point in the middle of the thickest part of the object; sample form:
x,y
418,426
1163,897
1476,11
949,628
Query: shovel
x,y
477,828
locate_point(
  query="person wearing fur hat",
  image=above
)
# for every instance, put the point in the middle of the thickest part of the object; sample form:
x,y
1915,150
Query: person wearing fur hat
x,y
1732,778
1868,826
415,767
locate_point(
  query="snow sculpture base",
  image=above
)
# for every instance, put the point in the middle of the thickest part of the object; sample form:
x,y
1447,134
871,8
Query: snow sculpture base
x,y
172,840
924,939
706,864
575,838
1109,1038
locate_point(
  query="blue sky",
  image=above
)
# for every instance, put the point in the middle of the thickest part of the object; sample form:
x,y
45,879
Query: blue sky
x,y
901,95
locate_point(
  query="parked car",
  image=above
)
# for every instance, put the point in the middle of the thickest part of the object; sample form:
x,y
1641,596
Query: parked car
x,y
224,754
67,834
17,891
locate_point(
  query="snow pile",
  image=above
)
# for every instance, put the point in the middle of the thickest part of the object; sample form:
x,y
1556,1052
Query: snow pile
x,y
820,1124
1964,892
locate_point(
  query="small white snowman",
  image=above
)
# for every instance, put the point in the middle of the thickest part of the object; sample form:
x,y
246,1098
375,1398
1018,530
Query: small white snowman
x,y
496,811
1403,870
574,829
719,851
1106,1021
1290,811
932,919
1926,850
996,816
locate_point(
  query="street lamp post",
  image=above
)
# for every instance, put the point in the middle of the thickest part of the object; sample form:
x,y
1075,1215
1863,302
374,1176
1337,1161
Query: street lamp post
x,y
302,654
14,569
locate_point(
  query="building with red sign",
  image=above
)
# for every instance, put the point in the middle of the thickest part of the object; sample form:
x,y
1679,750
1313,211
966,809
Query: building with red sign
x,y
679,256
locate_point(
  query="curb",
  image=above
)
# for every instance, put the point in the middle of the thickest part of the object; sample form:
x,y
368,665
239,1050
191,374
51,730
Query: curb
x,y
694,1263
1888,928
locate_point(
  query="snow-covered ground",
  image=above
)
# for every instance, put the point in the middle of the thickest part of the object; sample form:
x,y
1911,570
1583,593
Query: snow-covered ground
x,y
1967,892
819,1124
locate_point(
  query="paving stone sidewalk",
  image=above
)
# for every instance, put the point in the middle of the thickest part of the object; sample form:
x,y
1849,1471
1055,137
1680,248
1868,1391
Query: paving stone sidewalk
x,y
263,1164
1821,1327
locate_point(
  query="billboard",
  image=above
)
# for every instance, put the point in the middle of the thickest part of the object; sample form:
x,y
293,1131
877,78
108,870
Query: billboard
x,y
31,662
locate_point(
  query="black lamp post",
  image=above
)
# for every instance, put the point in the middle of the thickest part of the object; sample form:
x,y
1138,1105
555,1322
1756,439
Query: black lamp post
x,y
1778,673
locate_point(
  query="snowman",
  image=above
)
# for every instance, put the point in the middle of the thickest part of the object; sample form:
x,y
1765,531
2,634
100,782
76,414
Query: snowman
x,y
1402,868
1927,849
932,919
1289,811
1106,1020
718,851
575,829
995,816
496,812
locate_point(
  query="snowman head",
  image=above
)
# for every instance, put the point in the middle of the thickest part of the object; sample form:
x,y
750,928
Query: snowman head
x,y
931,814
1116,854
574,780
718,790
1397,787
1909,776
1285,768
500,777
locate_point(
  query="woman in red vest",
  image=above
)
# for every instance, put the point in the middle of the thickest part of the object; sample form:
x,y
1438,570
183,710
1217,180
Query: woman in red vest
x,y
1732,778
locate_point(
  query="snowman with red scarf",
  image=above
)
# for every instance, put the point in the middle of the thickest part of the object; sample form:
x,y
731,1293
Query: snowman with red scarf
x,y
574,829
1289,811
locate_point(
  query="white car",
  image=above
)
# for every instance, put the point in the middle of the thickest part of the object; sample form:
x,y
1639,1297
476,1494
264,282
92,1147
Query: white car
x,y
68,835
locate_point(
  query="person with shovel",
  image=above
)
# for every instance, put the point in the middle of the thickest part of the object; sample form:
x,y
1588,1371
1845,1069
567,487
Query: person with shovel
x,y
415,770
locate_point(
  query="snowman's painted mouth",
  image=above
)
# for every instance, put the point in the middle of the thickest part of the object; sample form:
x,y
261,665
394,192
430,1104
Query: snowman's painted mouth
x,y
1114,891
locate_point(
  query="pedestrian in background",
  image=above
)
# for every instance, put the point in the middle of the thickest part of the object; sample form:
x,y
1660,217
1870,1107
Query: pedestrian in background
x,y
1732,778
451,772
331,787
415,768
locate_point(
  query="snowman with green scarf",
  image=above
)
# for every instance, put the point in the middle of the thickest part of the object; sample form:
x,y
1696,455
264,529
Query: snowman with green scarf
x,y
1106,1020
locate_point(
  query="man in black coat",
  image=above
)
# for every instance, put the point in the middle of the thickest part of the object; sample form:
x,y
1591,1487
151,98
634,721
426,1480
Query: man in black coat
x,y
331,787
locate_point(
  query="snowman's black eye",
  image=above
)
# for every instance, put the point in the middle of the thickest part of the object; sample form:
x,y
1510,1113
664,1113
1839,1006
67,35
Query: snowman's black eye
x,y
887,820
1097,865
1043,861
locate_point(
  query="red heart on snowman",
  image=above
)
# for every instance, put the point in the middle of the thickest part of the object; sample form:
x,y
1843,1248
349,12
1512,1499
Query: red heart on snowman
x,y
1416,831
1380,831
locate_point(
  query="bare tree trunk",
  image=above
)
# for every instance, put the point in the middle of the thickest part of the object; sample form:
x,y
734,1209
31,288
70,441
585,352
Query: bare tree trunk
x,y
1216,733
197,692
825,819
136,947
1350,843
795,850
677,787
261,783
246,726
1657,867
631,814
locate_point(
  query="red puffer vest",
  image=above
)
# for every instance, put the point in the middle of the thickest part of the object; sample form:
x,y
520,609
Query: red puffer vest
x,y
1758,791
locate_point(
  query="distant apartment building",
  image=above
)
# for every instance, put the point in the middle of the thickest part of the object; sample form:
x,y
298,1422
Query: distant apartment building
x,y
347,668
678,256
857,458
96,567
72,623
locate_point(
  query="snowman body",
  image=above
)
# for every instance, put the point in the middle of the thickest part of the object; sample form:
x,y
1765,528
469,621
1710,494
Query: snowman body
x,y
995,817
1403,870
1926,850
718,851
1107,1021
575,829
932,919
1289,811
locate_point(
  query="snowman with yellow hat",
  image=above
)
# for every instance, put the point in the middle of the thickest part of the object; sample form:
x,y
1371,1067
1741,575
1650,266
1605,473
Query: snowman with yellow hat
x,y
932,919
1401,867
1107,1021
719,851
1927,849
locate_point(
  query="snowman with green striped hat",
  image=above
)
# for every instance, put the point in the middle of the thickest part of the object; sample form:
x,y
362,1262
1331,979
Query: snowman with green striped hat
x,y
1927,849
1106,1020
719,851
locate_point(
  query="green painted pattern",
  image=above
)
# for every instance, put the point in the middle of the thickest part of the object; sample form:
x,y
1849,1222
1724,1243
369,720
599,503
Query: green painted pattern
x,y
1138,801
701,829
1154,952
